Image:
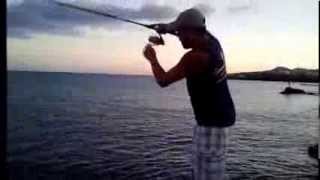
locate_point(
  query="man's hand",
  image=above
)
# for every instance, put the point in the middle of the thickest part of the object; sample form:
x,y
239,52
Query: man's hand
x,y
150,54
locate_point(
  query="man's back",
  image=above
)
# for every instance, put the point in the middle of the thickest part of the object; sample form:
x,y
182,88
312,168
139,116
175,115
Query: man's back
x,y
209,93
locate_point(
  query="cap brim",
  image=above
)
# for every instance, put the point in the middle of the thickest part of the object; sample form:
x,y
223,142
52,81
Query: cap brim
x,y
172,27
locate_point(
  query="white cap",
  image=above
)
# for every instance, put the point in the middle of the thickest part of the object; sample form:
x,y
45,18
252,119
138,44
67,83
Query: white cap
x,y
190,18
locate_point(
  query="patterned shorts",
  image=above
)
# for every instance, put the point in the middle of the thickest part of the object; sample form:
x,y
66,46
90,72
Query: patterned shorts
x,y
208,153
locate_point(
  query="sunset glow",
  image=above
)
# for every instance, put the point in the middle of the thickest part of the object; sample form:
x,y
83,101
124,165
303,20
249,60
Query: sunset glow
x,y
260,36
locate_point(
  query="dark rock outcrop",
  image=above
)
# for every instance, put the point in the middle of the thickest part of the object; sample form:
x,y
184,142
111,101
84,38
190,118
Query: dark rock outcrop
x,y
290,90
313,151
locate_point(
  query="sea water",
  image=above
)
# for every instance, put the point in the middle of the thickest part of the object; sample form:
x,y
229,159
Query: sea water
x,y
99,126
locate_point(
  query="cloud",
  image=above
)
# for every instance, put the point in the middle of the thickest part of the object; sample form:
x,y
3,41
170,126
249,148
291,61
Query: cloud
x,y
30,17
153,12
235,9
236,6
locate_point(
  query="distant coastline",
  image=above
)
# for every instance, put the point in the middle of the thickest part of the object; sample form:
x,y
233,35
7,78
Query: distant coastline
x,y
280,74
78,73
276,74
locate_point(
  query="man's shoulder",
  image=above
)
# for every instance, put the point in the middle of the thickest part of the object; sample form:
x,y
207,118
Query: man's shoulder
x,y
195,54
195,61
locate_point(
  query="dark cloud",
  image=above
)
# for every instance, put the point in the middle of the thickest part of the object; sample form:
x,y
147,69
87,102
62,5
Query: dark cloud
x,y
237,6
42,16
146,12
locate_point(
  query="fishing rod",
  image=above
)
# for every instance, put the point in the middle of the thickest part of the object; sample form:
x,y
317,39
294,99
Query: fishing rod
x,y
156,27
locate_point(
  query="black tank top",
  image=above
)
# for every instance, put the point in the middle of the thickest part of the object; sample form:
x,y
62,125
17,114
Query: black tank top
x,y
209,93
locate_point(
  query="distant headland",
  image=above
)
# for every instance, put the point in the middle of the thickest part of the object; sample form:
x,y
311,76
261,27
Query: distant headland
x,y
280,74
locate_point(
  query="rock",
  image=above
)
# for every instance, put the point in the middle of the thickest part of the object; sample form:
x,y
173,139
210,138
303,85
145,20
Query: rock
x,y
290,90
313,151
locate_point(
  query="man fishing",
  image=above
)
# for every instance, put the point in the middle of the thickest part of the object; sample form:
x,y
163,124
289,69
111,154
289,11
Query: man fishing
x,y
205,72
204,69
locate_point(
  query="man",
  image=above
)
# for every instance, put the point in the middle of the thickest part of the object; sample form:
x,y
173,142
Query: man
x,y
205,73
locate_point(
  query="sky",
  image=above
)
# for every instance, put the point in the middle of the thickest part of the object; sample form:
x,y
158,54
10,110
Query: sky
x,y
256,35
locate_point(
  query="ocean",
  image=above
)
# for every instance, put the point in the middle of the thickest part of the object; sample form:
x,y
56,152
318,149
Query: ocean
x,y
99,126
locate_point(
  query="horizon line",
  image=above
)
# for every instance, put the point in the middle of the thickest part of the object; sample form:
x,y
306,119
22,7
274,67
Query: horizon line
x,y
119,74
8,70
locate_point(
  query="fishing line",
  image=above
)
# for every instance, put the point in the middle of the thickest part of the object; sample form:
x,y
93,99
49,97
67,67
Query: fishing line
x,y
155,40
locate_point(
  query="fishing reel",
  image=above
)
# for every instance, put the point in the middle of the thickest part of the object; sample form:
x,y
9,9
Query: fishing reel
x,y
156,40
160,29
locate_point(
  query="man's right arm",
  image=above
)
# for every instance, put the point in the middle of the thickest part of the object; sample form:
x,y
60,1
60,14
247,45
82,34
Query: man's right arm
x,y
192,63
